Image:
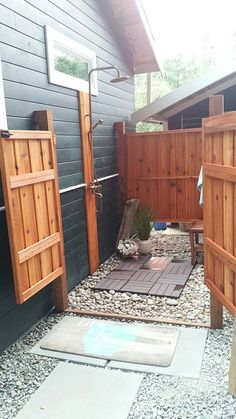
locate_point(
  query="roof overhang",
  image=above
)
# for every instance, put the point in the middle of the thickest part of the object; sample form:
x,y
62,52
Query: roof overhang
x,y
134,25
185,96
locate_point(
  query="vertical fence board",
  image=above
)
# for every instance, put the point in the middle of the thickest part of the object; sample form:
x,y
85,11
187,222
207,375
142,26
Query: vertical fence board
x,y
219,207
162,172
24,178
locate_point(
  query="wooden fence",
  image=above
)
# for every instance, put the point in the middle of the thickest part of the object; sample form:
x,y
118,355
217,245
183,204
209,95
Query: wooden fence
x,y
219,135
30,184
162,169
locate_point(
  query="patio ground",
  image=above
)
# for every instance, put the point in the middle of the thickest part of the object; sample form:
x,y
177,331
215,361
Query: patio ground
x,y
159,396
192,306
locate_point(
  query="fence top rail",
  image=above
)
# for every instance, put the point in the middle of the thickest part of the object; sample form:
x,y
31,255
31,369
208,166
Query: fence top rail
x,y
168,132
222,122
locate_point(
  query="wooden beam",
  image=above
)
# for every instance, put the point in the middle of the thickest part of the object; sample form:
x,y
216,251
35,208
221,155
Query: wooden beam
x,y
232,368
121,142
90,202
38,247
216,105
31,178
45,122
221,298
42,284
216,109
216,310
135,318
218,171
126,227
220,123
149,88
222,254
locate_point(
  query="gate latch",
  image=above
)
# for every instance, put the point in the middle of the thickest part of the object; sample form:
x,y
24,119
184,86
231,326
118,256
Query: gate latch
x,y
5,134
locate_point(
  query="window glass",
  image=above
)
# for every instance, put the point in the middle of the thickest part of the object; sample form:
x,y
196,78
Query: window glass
x,y
69,62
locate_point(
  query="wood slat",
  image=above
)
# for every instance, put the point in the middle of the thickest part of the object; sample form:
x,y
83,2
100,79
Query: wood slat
x,y
218,171
27,208
31,193
42,284
222,254
90,202
220,296
162,171
38,247
40,204
219,213
31,178
36,135
220,123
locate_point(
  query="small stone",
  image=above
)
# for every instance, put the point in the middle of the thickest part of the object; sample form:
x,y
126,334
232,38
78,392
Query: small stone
x,y
125,297
74,304
97,296
112,292
135,297
171,302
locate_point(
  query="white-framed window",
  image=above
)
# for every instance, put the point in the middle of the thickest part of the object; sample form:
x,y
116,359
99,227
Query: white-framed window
x,y
3,116
69,62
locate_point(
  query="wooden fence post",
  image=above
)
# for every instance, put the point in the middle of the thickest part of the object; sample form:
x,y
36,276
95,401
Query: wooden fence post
x,y
216,107
90,201
121,141
44,121
232,368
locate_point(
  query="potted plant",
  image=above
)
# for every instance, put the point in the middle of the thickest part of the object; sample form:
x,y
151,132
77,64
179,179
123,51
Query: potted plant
x,y
143,225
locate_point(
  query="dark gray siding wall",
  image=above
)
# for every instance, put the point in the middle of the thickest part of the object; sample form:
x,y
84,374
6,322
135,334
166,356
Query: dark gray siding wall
x,y
201,109
23,54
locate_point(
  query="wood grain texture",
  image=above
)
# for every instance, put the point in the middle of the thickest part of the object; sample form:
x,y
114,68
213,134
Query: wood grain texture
x,y
162,172
90,202
219,212
45,121
27,211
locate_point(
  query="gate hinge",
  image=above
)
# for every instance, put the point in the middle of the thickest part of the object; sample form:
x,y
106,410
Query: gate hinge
x,y
5,134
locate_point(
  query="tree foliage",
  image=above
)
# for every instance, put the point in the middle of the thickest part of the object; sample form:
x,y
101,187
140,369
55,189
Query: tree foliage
x,y
72,66
176,71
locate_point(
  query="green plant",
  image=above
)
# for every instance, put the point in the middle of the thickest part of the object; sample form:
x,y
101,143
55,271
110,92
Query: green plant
x,y
143,222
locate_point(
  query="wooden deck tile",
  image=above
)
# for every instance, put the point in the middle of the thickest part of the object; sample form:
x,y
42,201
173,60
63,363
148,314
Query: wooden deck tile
x,y
162,276
116,274
157,263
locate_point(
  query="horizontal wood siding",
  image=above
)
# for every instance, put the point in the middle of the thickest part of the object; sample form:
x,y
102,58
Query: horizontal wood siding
x,y
109,218
23,55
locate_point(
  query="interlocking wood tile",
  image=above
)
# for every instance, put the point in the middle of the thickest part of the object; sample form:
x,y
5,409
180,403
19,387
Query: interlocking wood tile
x,y
134,263
162,276
157,263
117,274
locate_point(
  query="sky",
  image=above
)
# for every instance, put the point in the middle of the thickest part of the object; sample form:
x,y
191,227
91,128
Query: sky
x,y
180,26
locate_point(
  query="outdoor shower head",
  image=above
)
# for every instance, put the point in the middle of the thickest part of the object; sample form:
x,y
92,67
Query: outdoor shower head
x,y
99,122
119,78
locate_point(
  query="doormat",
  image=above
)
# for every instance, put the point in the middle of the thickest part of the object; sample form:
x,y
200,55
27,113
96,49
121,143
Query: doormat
x,y
76,391
187,359
127,342
162,276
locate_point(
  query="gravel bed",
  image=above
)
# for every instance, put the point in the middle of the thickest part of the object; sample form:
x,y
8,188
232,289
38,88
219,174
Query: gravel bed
x,y
160,396
192,306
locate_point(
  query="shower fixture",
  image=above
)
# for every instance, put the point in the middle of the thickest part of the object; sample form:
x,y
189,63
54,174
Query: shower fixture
x,y
100,122
117,79
95,186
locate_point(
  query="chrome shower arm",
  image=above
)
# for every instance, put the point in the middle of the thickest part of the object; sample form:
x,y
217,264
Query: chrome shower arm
x,y
110,67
